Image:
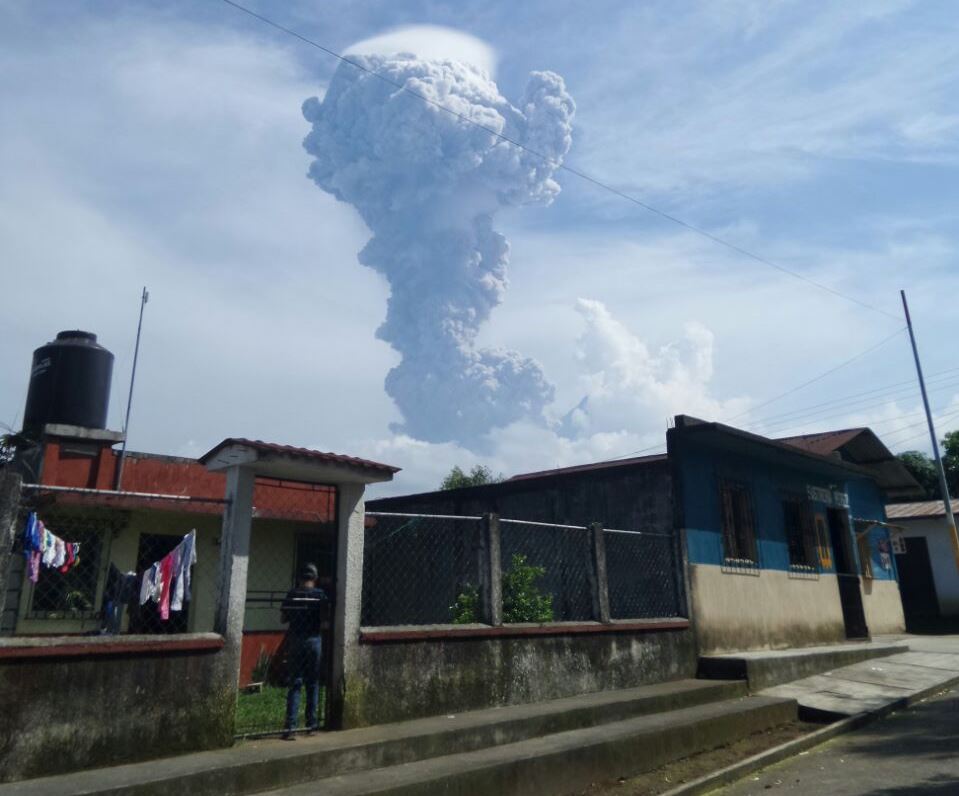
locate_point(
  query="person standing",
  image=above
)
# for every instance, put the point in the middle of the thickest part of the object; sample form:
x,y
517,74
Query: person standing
x,y
303,610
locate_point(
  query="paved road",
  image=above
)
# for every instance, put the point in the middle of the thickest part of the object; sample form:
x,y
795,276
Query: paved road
x,y
913,752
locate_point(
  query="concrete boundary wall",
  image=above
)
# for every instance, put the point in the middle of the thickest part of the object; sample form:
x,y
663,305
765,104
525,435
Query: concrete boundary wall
x,y
71,703
431,674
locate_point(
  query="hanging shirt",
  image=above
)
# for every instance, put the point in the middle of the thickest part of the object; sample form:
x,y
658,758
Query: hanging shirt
x,y
59,553
150,585
49,548
185,559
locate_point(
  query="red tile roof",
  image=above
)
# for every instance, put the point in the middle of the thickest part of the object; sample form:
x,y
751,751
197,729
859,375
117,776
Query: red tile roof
x,y
300,453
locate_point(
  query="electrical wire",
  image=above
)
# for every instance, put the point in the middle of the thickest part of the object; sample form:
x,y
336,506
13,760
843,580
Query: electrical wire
x,y
947,416
568,169
818,417
813,380
853,399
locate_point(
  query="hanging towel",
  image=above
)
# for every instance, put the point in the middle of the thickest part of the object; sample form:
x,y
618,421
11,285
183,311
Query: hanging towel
x,y
166,572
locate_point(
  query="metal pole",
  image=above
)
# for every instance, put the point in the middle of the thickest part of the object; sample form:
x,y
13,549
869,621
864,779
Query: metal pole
x,y
943,484
144,298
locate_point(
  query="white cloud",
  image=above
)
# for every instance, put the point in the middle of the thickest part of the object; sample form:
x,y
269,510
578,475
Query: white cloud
x,y
430,42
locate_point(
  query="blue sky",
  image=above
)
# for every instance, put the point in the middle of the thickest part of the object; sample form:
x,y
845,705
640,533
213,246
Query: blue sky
x,y
162,146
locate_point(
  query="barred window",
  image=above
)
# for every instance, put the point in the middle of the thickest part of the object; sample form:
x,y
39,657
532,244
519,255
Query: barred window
x,y
739,533
800,533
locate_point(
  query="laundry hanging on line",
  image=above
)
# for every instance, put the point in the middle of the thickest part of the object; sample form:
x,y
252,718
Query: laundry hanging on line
x,y
167,581
43,547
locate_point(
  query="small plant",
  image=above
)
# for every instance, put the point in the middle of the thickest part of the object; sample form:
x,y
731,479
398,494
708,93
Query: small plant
x,y
261,670
465,610
77,602
522,599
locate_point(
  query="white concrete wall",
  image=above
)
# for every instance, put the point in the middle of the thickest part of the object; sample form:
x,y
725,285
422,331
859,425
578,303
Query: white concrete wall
x,y
763,609
882,605
944,571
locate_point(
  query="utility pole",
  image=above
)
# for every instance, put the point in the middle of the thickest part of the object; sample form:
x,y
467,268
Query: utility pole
x,y
144,298
943,484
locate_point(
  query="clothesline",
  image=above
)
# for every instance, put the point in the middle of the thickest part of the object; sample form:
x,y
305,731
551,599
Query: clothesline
x,y
42,546
167,581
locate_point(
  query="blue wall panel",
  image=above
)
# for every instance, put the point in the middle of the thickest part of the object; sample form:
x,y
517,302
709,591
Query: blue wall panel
x,y
770,480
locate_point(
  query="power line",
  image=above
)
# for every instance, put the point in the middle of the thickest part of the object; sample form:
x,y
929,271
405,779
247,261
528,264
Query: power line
x,y
569,169
946,416
906,386
817,378
818,416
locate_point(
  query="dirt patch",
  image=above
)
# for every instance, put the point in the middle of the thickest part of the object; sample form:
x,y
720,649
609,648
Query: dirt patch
x,y
676,773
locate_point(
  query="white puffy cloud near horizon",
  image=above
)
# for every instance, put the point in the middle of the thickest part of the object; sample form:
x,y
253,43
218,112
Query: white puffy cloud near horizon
x,y
172,158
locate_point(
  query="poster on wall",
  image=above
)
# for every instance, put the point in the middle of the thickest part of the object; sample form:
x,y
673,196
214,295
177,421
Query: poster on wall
x,y
898,544
885,559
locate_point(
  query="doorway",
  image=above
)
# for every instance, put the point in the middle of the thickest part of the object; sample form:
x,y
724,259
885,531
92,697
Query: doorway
x,y
847,574
916,584
147,618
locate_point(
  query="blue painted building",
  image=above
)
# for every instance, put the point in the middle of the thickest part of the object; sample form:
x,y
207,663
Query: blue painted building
x,y
786,540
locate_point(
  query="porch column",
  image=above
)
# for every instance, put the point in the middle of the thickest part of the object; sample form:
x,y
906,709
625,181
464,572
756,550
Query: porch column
x,y
349,593
234,560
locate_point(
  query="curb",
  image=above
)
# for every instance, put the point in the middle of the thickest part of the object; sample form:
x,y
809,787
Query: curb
x,y
735,772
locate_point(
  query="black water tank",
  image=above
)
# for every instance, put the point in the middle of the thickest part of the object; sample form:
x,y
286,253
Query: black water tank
x,y
69,383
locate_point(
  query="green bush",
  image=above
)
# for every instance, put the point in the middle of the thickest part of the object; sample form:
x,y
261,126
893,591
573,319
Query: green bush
x,y
466,608
522,599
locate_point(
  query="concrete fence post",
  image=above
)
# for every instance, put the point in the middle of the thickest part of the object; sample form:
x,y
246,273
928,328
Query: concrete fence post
x,y
9,513
490,574
234,563
599,581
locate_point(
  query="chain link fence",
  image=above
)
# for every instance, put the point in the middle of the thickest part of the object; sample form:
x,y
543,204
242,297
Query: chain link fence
x,y
546,572
644,579
420,569
423,569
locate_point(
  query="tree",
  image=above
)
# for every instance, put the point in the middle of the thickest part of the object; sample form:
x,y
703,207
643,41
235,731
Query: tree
x,y
950,461
478,476
924,470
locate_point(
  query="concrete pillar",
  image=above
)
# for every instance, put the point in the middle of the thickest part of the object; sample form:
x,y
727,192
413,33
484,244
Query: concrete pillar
x,y
349,596
234,561
599,580
9,514
490,571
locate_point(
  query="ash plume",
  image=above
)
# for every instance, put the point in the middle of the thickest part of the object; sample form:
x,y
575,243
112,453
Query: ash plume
x,y
427,184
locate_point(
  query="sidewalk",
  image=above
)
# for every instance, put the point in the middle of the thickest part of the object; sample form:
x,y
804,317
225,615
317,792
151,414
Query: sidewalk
x,y
914,752
878,684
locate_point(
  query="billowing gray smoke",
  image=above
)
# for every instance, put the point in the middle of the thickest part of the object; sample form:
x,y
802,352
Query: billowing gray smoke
x,y
427,184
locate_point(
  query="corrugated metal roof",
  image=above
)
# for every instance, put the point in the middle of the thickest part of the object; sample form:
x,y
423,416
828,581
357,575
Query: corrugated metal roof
x,y
585,468
924,508
300,453
824,443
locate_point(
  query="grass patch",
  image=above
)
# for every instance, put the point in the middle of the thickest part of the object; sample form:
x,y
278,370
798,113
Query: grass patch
x,y
266,711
